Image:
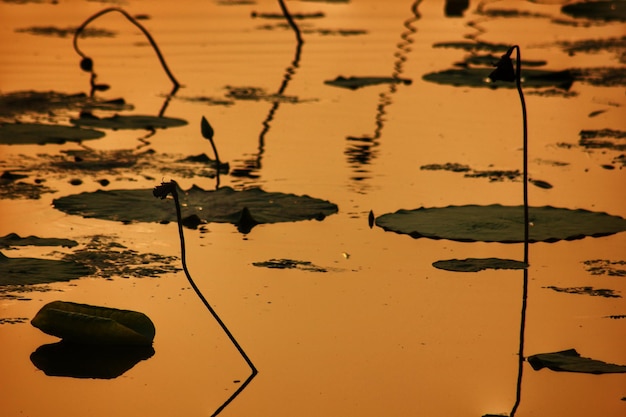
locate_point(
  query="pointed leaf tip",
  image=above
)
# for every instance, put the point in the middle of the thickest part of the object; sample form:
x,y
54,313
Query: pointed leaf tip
x,y
206,129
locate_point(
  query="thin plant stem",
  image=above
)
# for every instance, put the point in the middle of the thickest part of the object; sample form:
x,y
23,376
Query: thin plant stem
x,y
134,22
290,20
172,187
518,83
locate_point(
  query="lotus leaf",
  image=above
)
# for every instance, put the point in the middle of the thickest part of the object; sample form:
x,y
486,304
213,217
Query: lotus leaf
x,y
497,223
571,361
475,264
81,361
612,10
28,271
40,134
94,325
224,205
354,83
128,122
13,239
478,77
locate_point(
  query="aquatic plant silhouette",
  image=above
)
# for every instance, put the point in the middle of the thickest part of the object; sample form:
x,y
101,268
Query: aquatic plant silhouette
x,y
162,191
505,72
207,132
86,63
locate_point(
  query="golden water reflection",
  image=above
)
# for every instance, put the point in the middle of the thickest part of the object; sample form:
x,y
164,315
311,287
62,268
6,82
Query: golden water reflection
x,y
382,332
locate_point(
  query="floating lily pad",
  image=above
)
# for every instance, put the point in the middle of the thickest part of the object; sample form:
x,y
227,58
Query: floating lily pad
x,y
476,264
128,122
29,271
478,77
94,325
571,361
80,361
613,10
13,239
223,205
40,134
354,83
497,223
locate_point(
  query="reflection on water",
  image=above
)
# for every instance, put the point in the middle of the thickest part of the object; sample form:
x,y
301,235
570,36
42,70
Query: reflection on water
x,y
362,149
88,361
380,331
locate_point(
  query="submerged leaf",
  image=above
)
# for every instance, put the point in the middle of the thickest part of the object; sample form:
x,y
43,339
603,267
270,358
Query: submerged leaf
x,y
496,223
571,361
94,325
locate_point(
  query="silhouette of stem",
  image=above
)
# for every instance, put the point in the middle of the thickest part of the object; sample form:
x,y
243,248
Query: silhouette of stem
x,y
290,20
134,22
161,192
518,84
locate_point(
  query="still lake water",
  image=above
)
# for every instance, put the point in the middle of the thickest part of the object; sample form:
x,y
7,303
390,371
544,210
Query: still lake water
x,y
368,327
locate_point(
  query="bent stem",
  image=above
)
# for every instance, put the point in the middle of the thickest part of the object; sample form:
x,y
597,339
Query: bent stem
x,y
134,22
162,191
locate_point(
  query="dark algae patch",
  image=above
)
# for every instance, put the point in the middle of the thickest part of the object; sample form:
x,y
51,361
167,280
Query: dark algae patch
x,y
224,205
497,223
594,292
290,264
606,267
571,361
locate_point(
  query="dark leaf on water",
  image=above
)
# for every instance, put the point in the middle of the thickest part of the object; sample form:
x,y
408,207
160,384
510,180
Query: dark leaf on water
x,y
94,325
128,122
478,77
476,264
29,271
244,208
13,239
497,223
571,361
354,83
611,10
40,134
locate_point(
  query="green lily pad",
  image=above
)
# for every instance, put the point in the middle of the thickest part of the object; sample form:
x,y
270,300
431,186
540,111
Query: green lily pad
x,y
613,10
29,271
354,83
478,77
497,223
571,361
128,122
94,325
224,205
476,264
40,134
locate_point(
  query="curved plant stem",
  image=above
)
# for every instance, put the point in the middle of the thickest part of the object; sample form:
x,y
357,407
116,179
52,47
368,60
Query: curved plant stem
x,y
134,22
172,187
